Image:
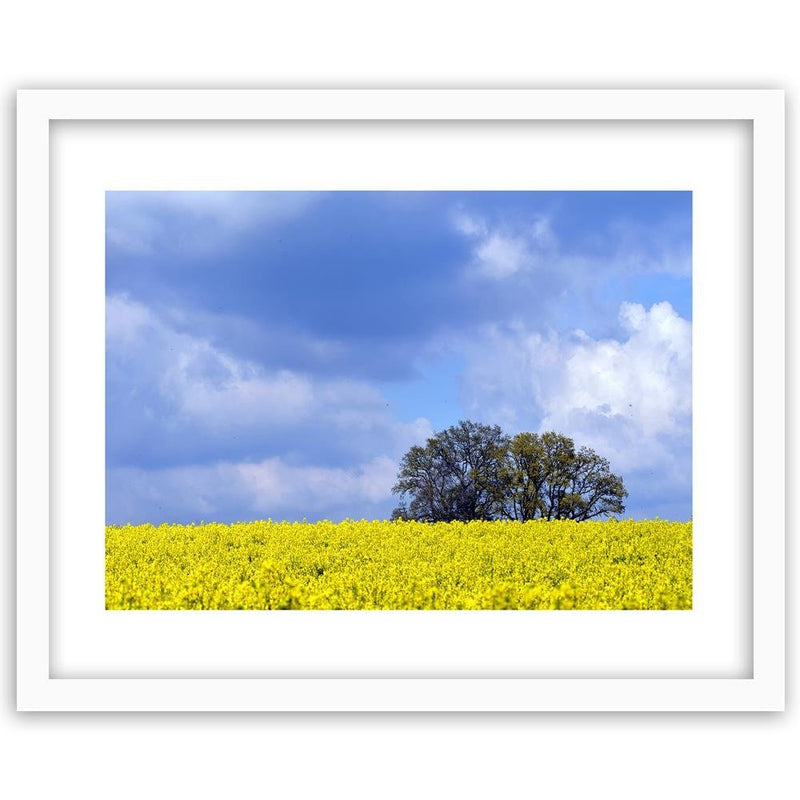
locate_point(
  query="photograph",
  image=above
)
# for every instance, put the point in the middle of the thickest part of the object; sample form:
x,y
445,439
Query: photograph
x,y
398,400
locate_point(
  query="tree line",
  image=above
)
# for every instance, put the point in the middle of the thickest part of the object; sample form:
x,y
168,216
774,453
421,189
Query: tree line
x,y
473,471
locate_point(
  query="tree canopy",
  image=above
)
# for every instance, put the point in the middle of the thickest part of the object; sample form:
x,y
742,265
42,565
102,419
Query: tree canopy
x,y
454,477
475,471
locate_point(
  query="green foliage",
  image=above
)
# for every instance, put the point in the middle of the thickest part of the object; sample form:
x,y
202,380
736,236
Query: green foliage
x,y
454,477
545,476
472,471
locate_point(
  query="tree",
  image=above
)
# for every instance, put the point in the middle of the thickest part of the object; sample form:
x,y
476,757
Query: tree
x,y
454,476
545,476
474,471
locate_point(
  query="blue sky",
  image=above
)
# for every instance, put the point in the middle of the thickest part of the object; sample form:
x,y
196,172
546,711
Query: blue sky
x,y
274,354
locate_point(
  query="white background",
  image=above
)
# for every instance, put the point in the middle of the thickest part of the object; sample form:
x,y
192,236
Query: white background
x,y
613,44
710,159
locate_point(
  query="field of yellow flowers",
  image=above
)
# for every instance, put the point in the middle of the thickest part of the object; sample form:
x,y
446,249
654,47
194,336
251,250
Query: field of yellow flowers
x,y
401,565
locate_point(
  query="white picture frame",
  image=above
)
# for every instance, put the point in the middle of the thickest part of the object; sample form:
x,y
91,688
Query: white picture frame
x,y
43,685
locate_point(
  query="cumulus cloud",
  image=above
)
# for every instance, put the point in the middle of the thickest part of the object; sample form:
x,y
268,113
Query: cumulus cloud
x,y
582,272
245,491
198,380
469,224
176,401
502,251
274,484
629,398
646,377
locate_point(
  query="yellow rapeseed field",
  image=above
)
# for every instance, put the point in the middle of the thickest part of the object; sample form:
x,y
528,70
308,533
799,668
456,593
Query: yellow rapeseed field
x,y
401,565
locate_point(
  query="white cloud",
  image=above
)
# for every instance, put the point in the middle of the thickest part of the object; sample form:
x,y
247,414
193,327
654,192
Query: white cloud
x,y
501,256
198,402
628,398
248,491
125,320
518,247
207,383
273,484
503,251
200,381
469,225
646,377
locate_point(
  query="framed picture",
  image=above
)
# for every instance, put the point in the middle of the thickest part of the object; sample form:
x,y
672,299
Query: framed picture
x,y
388,400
